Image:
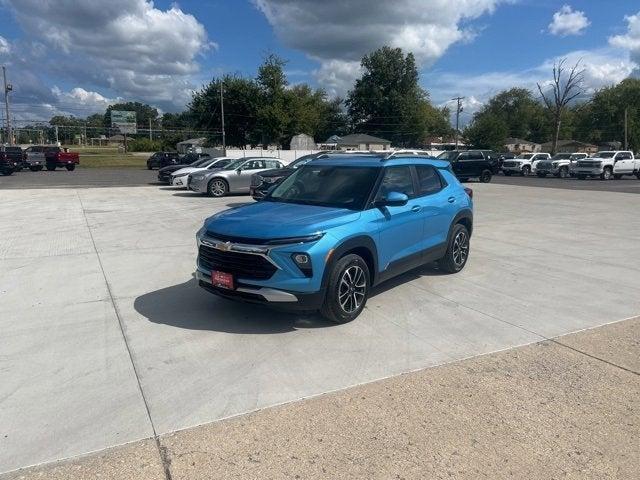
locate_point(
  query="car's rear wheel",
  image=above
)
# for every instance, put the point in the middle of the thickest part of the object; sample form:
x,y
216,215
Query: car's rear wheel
x,y
457,250
485,176
71,167
217,188
348,289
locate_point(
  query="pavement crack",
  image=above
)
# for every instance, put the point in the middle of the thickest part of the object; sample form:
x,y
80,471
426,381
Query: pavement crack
x,y
162,451
594,357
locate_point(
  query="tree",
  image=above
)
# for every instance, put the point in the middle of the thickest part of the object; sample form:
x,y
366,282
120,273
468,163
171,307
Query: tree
x,y
487,131
388,102
272,114
564,89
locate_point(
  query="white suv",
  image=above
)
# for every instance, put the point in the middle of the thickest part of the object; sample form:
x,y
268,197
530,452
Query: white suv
x,y
523,164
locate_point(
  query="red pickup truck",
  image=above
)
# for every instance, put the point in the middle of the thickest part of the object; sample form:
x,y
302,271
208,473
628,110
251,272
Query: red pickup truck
x,y
60,157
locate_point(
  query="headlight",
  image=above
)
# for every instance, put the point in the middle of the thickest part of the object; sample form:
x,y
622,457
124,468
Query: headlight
x,y
290,240
197,177
180,175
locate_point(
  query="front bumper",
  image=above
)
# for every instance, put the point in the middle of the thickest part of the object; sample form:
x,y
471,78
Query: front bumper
x,y
591,171
197,185
179,181
281,299
516,169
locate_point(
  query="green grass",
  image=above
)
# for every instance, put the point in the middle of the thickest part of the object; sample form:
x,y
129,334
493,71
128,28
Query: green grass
x,y
107,157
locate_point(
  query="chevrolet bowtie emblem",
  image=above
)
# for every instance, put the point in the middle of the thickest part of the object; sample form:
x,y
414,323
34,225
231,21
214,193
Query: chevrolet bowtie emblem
x,y
225,247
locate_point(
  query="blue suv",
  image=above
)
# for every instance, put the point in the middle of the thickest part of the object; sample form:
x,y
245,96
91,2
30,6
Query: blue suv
x,y
335,228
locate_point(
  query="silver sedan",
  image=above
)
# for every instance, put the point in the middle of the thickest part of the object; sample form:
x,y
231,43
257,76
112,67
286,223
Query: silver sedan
x,y
234,178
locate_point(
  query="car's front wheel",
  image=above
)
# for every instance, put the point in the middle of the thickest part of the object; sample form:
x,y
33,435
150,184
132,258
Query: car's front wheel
x,y
71,167
526,170
606,174
217,188
564,172
457,250
348,289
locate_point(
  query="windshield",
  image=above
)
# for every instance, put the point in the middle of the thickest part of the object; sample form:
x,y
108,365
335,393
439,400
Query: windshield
x,y
561,156
233,165
201,163
604,155
448,155
525,156
327,186
302,161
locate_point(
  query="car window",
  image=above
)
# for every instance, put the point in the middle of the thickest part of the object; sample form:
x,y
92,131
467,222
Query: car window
x,y
272,164
253,165
429,180
463,156
475,156
396,179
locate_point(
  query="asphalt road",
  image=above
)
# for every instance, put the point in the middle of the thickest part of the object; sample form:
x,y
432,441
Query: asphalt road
x,y
134,177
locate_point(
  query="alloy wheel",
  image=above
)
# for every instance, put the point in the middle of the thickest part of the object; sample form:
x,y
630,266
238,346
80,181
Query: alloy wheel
x,y
352,289
460,248
218,188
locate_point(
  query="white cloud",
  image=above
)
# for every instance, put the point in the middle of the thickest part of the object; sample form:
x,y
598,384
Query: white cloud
x,y
567,21
602,68
338,33
631,40
133,48
4,46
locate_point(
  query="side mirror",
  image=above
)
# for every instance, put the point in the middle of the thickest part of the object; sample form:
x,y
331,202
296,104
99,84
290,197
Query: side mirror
x,y
393,199
238,170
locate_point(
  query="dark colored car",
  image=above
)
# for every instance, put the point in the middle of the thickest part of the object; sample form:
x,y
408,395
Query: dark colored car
x,y
17,156
263,181
162,159
7,164
466,164
189,160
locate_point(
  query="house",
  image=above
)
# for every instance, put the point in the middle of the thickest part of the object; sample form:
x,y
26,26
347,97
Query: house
x,y
302,141
115,140
330,143
518,145
191,145
362,141
603,146
570,146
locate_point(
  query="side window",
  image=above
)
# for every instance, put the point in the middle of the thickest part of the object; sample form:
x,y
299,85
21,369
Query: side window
x,y
429,180
253,165
476,156
272,164
396,179
464,156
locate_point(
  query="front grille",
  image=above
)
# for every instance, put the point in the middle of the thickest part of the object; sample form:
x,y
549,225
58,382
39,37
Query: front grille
x,y
588,163
544,165
509,164
240,265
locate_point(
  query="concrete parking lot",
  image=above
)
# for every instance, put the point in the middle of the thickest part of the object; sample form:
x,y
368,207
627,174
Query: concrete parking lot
x,y
107,340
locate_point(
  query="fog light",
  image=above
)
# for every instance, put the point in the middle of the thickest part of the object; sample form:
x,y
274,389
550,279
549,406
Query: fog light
x,y
303,261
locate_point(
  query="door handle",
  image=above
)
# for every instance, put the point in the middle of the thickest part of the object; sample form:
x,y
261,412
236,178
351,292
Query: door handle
x,y
451,199
416,208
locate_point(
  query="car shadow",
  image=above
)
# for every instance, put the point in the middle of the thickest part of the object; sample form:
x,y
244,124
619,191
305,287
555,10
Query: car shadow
x,y
190,307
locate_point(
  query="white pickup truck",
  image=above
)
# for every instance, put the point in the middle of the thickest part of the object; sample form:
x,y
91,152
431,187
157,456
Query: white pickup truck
x,y
607,165
523,164
560,165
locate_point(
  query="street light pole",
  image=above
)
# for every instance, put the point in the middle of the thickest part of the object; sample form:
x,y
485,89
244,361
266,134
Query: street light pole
x,y
458,110
7,88
224,138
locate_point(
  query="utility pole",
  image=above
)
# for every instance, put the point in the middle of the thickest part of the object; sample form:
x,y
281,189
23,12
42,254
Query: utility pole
x,y
224,138
7,88
150,135
626,128
458,110
57,141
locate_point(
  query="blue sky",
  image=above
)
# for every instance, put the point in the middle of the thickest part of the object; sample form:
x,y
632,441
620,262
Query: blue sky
x,y
159,52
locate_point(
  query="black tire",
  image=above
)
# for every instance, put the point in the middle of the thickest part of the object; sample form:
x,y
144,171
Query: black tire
x,y
564,172
457,250
581,177
485,176
541,175
638,175
606,174
526,171
349,283
149,167
6,173
217,188
617,176
71,167
506,173
51,168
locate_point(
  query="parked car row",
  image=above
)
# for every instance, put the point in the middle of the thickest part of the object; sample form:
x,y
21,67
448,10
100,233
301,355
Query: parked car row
x,y
482,164
35,158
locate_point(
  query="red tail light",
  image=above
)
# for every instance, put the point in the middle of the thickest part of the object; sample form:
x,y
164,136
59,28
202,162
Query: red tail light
x,y
469,192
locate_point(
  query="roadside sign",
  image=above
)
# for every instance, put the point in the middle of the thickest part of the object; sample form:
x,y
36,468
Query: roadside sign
x,y
124,121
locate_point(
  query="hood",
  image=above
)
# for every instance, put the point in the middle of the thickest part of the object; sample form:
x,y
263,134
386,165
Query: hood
x,y
277,172
172,168
184,169
269,220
